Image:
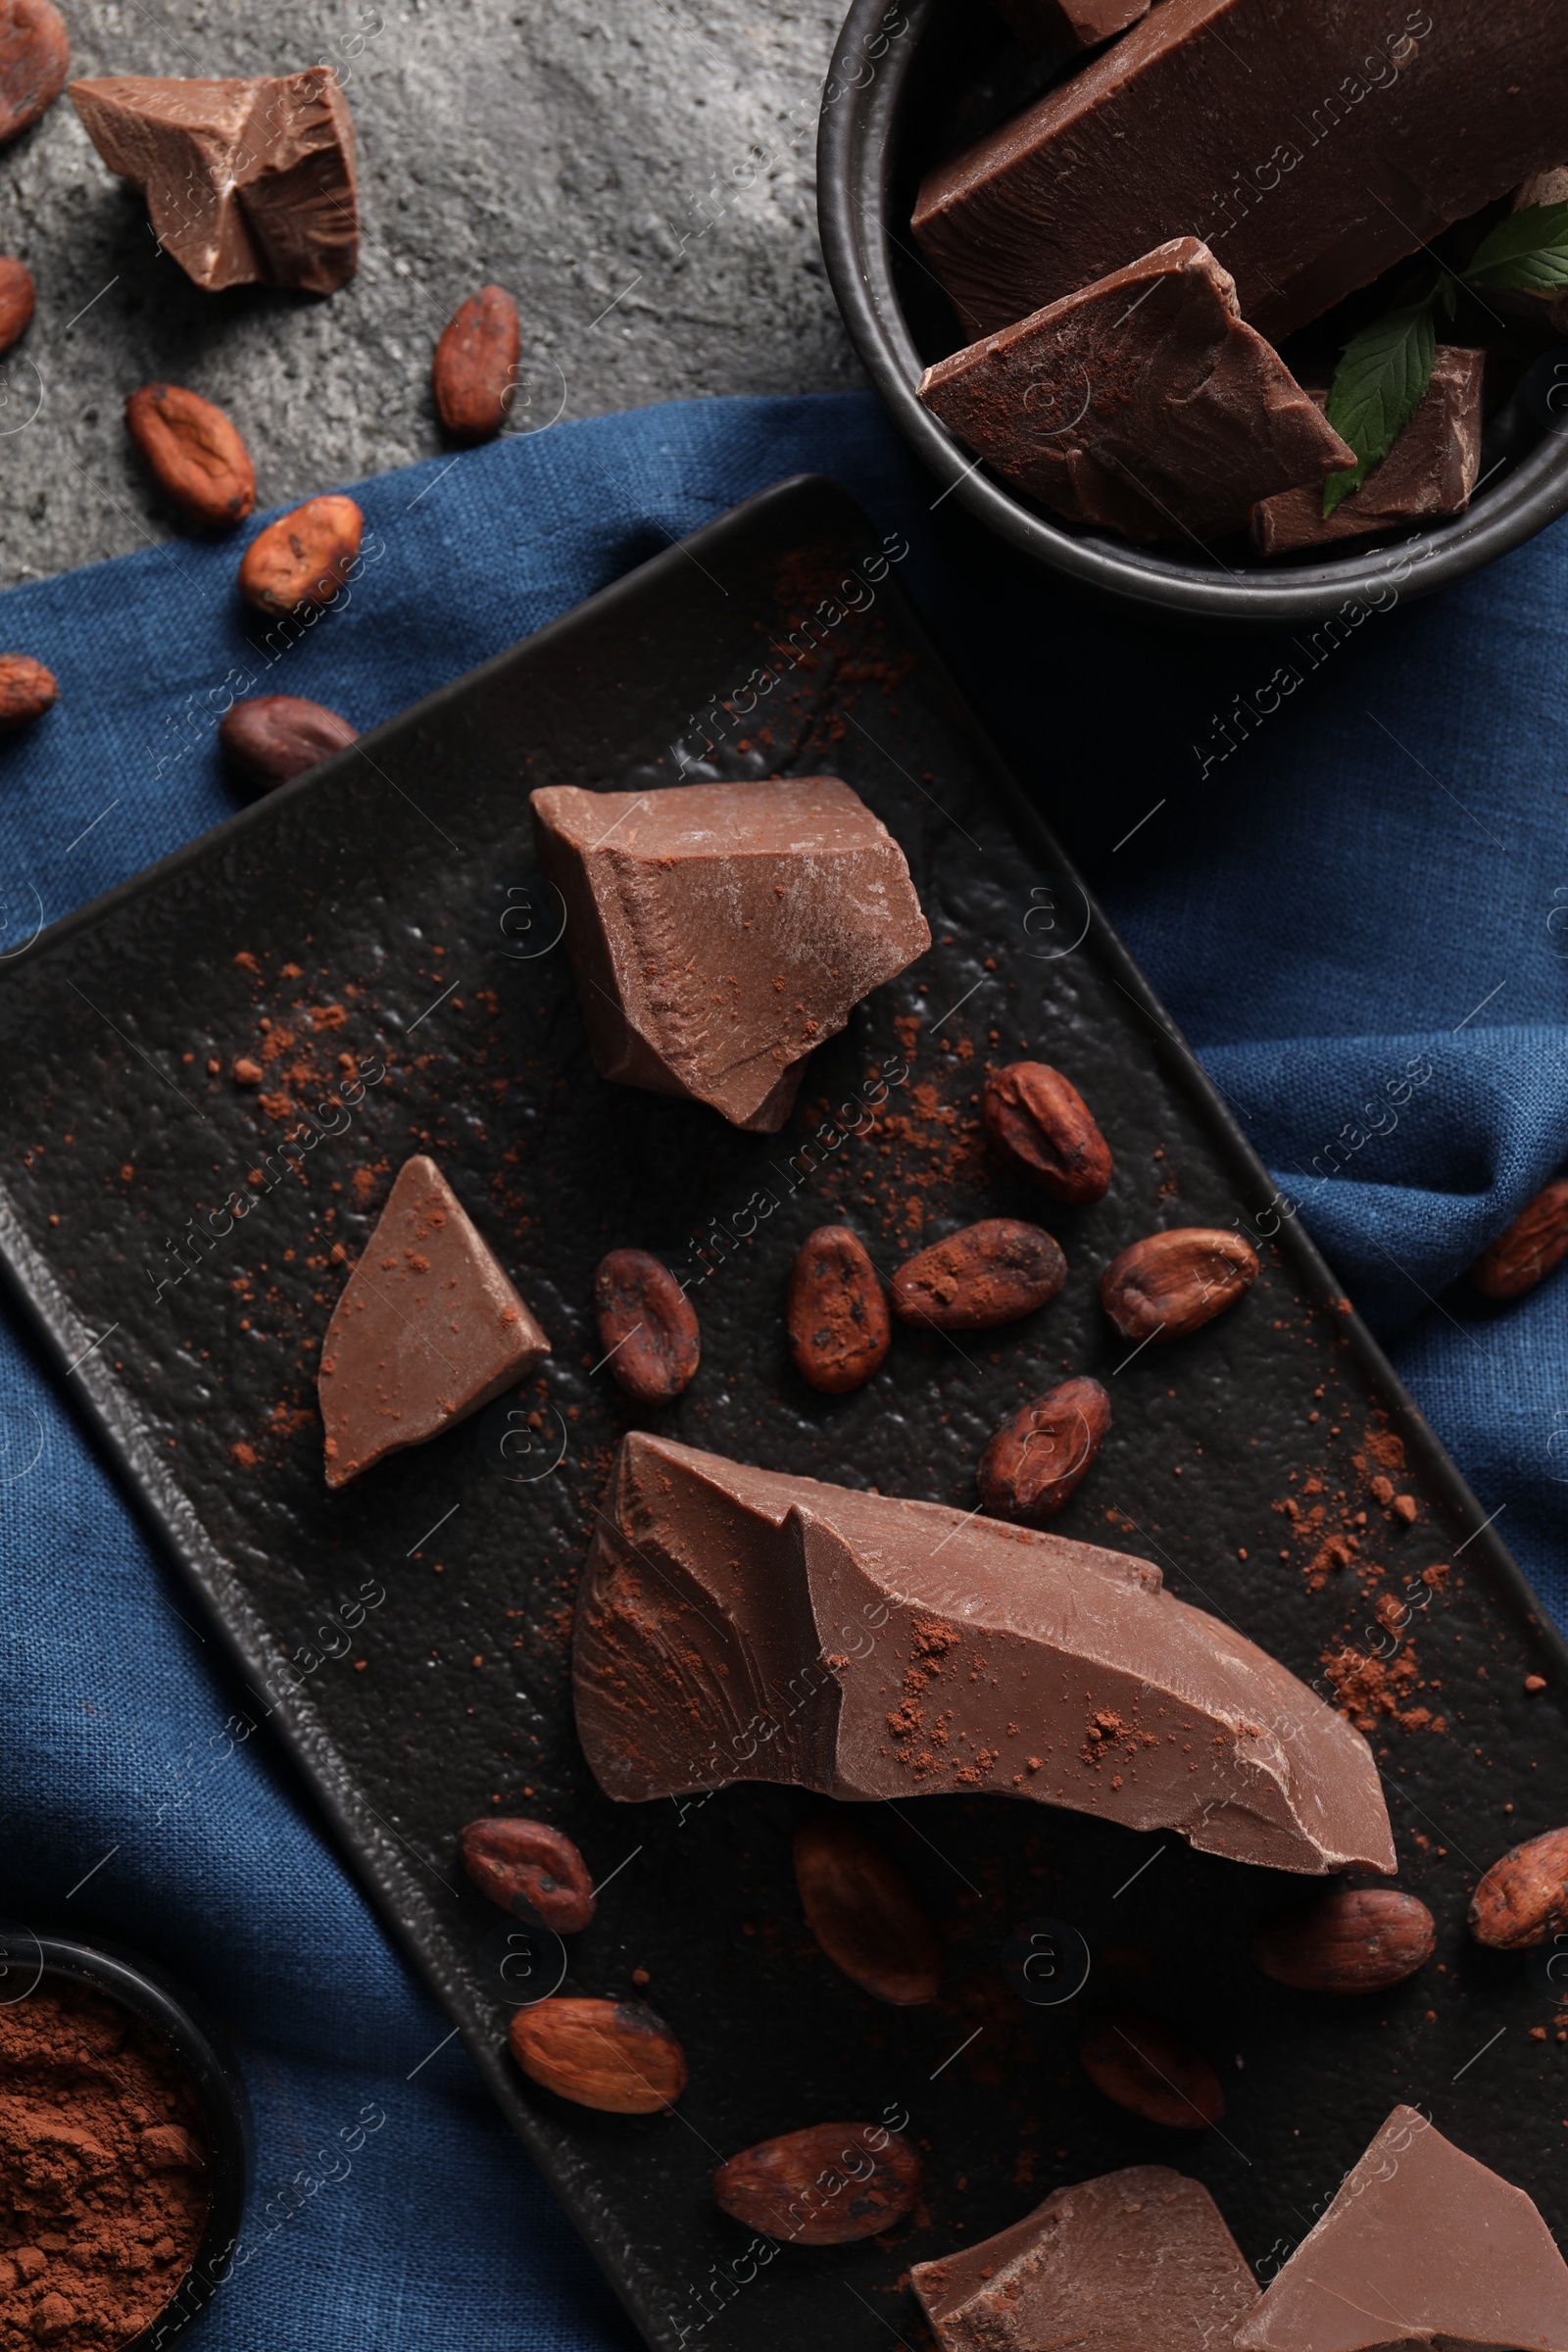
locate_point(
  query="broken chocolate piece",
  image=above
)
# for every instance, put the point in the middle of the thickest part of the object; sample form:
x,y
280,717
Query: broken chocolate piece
x,y
1312,151
427,1331
719,932
1144,404
247,183
710,1588
1421,2245
1068,23
1431,469
1136,2260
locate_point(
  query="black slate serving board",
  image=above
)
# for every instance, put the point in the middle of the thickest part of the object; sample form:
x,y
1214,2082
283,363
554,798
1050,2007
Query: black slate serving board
x,y
407,1639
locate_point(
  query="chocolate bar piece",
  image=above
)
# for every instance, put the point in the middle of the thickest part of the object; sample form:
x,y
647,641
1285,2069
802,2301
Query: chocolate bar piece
x,y
427,1330
1068,23
1311,146
1431,469
1135,2261
743,1625
1143,404
719,932
1421,2245
247,183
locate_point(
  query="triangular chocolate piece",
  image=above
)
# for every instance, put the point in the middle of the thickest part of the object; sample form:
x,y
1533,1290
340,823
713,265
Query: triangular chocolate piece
x,y
1137,2261
1421,2245
719,932
428,1329
737,1624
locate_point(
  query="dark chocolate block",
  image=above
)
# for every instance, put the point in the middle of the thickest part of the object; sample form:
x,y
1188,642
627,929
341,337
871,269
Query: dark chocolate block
x,y
1421,2245
247,183
1312,143
1068,23
1137,2261
719,932
1143,404
736,1624
1431,469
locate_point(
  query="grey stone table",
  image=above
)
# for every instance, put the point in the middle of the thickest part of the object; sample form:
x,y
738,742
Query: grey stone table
x,y
639,175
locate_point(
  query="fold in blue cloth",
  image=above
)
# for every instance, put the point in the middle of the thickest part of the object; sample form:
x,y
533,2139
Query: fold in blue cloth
x,y
1341,859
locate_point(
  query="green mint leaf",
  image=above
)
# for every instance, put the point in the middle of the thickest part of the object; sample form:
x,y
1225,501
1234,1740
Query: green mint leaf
x,y
1377,389
1526,254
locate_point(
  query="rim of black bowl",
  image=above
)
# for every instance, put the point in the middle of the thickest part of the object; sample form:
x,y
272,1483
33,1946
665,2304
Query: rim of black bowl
x,y
855,146
203,2050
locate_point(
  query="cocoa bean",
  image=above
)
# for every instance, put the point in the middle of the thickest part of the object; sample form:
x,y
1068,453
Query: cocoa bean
x,y
646,1326
613,2055
829,2186
1042,1455
196,455
34,59
1522,1898
275,737
474,370
864,1913
1533,1243
1359,1940
990,1273
1041,1123
16,300
26,690
1171,1283
1151,2070
836,1316
531,1870
304,558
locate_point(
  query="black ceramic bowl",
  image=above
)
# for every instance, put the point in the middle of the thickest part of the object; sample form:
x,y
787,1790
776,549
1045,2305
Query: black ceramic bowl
x,y
913,79
27,1960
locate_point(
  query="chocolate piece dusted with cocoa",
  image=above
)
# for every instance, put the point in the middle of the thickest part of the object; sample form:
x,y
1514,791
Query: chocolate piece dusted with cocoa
x,y
1431,469
532,1870
1133,2261
272,738
647,1327
427,1330
1041,1124
1311,150
1068,23
1421,2245
1144,404
719,932
34,59
930,1653
247,183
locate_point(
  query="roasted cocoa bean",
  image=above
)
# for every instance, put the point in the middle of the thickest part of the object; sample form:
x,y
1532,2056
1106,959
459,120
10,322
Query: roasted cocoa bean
x,y
1533,1243
836,1315
1522,1898
1169,1284
16,300
303,559
990,1273
531,1870
1041,1123
1151,2070
26,690
195,452
646,1326
474,370
1359,1940
34,59
613,2055
829,2186
864,1913
275,737
1040,1457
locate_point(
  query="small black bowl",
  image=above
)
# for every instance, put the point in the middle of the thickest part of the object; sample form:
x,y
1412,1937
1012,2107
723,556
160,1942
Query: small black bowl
x,y
27,1960
904,77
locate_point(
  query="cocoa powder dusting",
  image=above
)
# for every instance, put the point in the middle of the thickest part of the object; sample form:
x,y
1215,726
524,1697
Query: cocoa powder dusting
x,y
103,2173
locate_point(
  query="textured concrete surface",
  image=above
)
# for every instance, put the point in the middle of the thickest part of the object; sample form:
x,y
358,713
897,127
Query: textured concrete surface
x,y
640,177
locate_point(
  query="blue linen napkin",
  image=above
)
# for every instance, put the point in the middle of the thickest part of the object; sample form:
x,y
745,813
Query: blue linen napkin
x,y
1341,858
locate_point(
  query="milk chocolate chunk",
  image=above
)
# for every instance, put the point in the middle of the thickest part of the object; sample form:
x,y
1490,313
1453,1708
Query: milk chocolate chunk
x,y
1136,2260
1068,23
1313,147
737,1624
719,932
1431,469
1421,2245
1144,404
427,1330
247,183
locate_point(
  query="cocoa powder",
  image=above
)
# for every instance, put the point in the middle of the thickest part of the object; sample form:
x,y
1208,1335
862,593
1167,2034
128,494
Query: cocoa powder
x,y
103,2173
